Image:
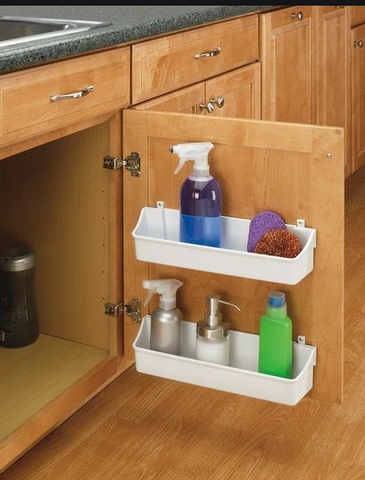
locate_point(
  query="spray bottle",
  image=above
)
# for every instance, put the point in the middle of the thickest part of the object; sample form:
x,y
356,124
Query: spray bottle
x,y
165,320
200,197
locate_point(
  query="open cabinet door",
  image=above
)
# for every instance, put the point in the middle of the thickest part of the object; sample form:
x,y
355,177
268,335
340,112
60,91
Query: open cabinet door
x,y
295,170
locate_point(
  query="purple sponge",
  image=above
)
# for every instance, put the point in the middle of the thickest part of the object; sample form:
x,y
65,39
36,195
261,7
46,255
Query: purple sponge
x,y
260,224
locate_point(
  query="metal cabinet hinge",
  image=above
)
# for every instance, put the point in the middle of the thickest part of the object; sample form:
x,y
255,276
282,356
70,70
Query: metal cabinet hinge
x,y
133,309
131,163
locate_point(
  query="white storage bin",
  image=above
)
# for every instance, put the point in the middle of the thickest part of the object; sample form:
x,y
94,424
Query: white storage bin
x,y
156,240
241,377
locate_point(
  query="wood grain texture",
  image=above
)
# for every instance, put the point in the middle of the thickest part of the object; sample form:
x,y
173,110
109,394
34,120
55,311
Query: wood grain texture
x,y
55,200
42,138
185,100
287,56
26,109
241,90
33,376
358,98
333,72
291,175
357,15
169,63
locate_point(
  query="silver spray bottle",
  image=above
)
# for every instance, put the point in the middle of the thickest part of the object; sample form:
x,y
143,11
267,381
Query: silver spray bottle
x,y
165,320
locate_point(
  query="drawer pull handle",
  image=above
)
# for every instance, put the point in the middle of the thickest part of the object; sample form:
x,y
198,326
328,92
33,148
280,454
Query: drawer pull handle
x,y
82,93
298,15
209,107
210,53
219,102
358,43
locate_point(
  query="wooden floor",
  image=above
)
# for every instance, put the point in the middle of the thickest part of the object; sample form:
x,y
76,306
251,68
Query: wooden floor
x,y
32,376
142,427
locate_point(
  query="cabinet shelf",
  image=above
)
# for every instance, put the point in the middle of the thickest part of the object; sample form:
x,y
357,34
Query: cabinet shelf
x,y
241,377
156,240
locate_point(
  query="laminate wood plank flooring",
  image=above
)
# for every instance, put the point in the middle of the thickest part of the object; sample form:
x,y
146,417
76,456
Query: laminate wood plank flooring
x,y
142,427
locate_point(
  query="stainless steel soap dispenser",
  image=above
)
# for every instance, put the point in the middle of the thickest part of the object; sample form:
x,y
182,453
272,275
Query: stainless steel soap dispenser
x,y
212,344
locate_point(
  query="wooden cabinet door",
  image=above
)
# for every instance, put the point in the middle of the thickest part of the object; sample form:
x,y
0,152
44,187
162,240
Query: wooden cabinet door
x,y
287,56
358,97
260,166
240,91
186,100
333,71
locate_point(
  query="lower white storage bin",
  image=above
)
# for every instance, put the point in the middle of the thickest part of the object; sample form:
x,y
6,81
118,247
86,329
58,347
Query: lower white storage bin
x,y
241,377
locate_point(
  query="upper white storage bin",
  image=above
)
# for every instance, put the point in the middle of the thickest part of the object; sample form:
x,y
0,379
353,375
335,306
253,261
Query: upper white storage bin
x,y
156,240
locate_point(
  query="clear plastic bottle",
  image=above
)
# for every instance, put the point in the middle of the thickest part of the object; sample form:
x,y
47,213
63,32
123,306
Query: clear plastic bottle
x,y
200,197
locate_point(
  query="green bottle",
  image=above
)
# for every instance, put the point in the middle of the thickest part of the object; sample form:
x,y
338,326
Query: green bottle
x,y
276,345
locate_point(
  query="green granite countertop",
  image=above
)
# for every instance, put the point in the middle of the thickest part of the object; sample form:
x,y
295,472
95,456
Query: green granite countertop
x,y
129,24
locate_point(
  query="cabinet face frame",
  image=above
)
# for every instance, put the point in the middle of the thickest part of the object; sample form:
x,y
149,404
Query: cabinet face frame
x,y
314,184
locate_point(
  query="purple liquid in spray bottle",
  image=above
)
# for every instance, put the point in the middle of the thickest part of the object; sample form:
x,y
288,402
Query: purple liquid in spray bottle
x,y
200,197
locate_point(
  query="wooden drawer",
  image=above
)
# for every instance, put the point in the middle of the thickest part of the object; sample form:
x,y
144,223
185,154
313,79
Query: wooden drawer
x,y
357,15
166,64
26,108
290,15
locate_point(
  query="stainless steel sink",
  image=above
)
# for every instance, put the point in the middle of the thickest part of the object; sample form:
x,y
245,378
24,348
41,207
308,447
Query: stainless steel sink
x,y
15,30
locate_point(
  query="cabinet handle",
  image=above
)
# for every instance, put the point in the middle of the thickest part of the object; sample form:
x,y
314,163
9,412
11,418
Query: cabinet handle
x,y
358,43
209,107
299,15
209,53
82,93
219,102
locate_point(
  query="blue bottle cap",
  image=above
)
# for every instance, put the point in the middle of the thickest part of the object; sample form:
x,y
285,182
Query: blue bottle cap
x,y
277,299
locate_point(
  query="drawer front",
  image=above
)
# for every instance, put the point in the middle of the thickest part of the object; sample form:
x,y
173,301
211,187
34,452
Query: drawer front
x,y
357,15
166,64
27,108
290,15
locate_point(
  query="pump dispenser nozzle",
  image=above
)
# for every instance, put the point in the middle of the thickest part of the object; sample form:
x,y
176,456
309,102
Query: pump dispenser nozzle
x,y
166,288
197,152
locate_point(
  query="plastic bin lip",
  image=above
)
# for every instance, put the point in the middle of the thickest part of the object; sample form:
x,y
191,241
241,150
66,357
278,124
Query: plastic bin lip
x,y
227,251
215,366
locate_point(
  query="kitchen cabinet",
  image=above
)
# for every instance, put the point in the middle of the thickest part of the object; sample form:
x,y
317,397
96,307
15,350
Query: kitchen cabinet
x,y
287,56
358,96
78,216
29,98
59,201
239,91
169,63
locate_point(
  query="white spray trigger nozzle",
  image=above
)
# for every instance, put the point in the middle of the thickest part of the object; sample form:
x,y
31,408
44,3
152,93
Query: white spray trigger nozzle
x,y
167,290
197,152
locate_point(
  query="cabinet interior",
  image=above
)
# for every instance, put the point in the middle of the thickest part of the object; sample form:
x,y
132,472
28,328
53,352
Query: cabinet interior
x,y
55,201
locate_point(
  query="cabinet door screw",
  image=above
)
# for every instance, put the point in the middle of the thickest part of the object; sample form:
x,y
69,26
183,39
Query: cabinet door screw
x,y
329,155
